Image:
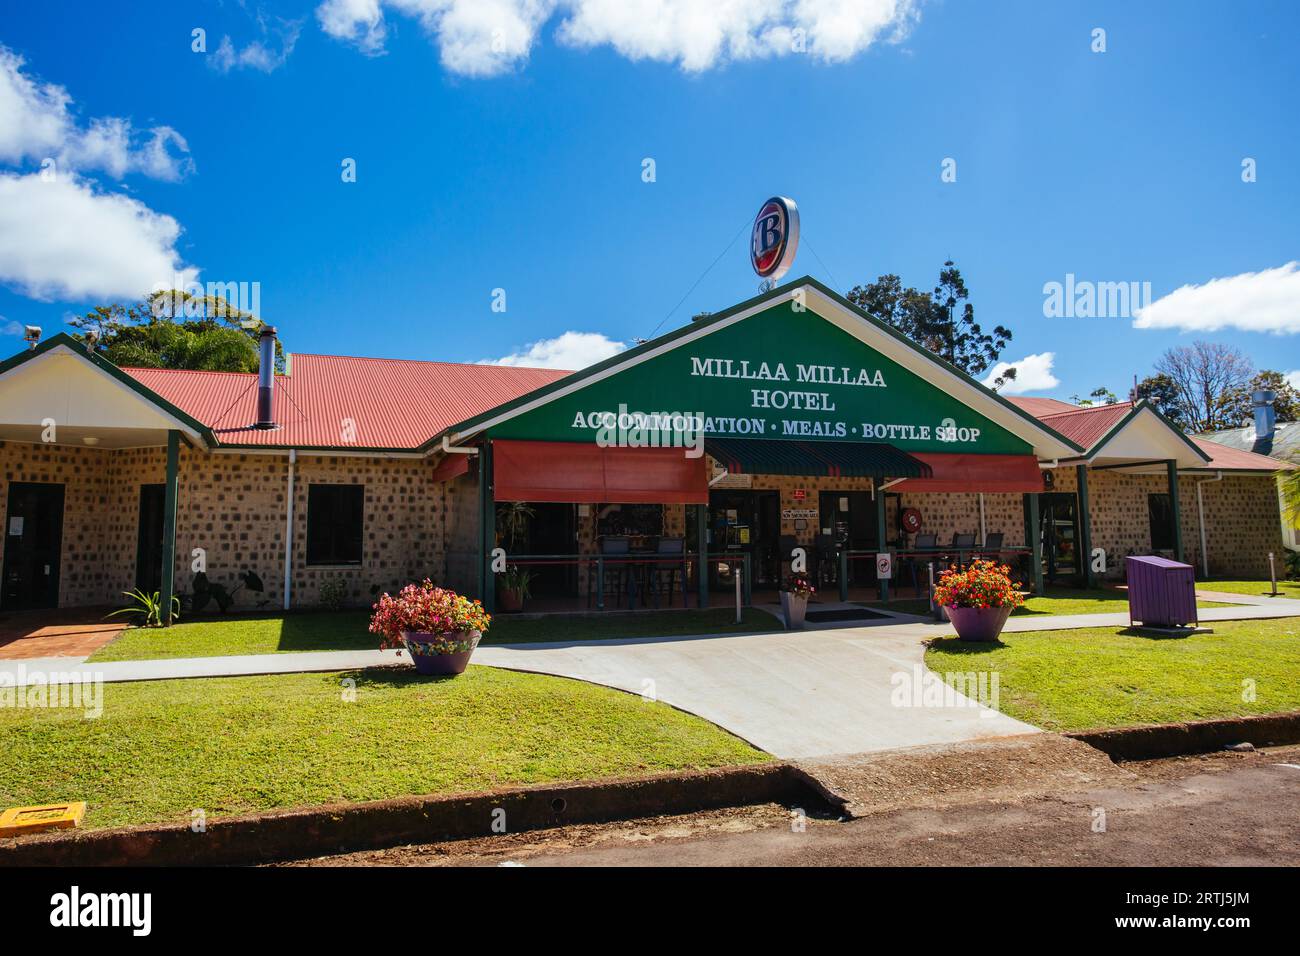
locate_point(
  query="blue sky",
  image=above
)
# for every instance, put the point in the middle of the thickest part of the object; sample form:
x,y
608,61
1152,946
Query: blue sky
x,y
508,154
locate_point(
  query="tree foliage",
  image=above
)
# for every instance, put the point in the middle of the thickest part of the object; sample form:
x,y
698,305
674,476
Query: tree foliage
x,y
1206,377
1161,391
174,330
1286,400
942,320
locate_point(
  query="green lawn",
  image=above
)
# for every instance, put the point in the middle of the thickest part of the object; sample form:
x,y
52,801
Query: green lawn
x,y
1111,677
230,745
1054,601
1289,589
346,630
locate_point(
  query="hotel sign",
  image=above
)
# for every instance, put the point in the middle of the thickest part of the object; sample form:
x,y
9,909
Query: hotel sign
x,y
774,238
783,373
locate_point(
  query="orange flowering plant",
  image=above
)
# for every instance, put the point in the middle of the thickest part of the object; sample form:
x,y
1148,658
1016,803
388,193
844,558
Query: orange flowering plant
x,y
979,584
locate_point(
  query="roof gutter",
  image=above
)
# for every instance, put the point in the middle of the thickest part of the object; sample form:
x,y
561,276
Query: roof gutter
x,y
451,449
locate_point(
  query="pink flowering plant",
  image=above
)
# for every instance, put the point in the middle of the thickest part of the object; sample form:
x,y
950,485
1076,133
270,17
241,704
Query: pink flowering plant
x,y
426,609
798,585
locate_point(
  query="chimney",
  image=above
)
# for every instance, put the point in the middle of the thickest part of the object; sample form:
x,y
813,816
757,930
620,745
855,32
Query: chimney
x,y
266,379
1265,416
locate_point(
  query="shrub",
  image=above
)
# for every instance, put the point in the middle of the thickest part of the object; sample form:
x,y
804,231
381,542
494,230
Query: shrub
x,y
333,592
979,584
424,608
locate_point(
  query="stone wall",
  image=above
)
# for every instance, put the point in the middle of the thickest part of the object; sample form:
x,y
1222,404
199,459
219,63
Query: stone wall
x,y
233,506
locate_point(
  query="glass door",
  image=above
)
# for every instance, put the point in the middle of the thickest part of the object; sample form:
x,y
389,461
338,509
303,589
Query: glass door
x,y
1059,530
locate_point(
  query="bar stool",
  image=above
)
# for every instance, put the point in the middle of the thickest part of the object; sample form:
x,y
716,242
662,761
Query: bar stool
x,y
663,569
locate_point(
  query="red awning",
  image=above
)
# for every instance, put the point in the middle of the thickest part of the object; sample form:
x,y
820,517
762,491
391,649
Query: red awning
x,y
972,473
453,466
586,472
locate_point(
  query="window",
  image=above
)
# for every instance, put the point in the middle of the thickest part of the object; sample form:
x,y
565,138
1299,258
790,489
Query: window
x,y
334,523
1160,511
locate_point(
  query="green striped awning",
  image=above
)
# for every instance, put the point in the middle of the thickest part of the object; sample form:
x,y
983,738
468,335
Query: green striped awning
x,y
835,459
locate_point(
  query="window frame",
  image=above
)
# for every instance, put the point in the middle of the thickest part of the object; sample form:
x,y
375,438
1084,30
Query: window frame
x,y
1168,508
337,537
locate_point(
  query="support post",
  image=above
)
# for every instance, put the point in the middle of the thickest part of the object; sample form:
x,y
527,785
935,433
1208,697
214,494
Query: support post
x,y
1034,538
1172,467
168,584
844,572
882,541
702,575
1085,525
487,529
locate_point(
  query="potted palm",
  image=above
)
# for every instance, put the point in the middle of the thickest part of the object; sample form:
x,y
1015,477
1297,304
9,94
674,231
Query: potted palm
x,y
438,627
794,600
513,585
978,598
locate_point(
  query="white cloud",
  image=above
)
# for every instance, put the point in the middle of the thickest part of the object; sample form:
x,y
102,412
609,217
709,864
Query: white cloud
x,y
569,351
1033,374
258,54
1292,378
62,238
37,123
357,21
488,37
10,327
700,36
1265,301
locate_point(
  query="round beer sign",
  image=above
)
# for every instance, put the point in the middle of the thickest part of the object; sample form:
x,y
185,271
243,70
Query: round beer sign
x,y
775,238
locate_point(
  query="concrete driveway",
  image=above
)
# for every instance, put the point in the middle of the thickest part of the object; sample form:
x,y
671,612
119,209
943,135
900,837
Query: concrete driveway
x,y
796,695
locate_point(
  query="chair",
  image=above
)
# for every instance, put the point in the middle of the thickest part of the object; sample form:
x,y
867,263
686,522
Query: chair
x,y
992,549
962,546
663,568
618,574
924,542
827,560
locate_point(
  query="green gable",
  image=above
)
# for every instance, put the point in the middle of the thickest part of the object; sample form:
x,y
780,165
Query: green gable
x,y
782,373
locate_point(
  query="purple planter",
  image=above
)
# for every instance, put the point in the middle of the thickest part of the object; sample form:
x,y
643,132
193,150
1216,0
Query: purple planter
x,y
978,623
429,652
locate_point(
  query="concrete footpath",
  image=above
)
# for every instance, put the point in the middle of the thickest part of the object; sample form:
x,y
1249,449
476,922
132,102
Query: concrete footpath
x,y
821,692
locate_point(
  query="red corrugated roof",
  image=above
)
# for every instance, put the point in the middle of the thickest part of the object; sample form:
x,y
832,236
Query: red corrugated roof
x,y
1086,425
1041,406
1237,459
390,403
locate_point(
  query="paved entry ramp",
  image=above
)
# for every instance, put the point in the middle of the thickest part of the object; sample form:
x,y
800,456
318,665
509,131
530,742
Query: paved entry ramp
x,y
794,694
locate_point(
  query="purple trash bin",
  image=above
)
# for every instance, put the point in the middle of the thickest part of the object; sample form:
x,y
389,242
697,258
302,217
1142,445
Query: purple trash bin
x,y
1161,593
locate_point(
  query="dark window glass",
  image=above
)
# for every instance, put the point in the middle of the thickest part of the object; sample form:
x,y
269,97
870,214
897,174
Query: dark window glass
x,y
1160,510
334,523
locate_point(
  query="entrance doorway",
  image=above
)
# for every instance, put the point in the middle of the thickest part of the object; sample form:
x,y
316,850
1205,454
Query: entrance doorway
x,y
849,517
553,529
33,546
1059,530
149,540
745,522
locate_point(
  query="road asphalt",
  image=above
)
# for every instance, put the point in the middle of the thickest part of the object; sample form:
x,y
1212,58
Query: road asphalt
x,y
1213,810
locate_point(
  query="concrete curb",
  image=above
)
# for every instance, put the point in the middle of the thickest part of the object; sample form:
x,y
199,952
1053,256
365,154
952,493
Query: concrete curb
x,y
343,828
1193,737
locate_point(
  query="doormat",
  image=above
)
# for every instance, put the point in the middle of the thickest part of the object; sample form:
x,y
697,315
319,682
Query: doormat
x,y
844,614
